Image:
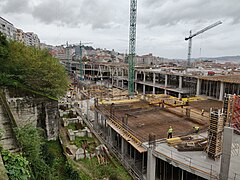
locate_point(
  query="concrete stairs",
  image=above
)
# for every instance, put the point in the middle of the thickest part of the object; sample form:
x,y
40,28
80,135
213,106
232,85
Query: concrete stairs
x,y
7,141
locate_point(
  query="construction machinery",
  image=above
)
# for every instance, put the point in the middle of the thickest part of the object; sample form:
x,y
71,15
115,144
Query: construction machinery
x,y
132,46
189,39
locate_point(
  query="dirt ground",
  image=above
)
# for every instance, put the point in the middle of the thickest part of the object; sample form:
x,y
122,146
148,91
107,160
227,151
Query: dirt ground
x,y
206,104
144,119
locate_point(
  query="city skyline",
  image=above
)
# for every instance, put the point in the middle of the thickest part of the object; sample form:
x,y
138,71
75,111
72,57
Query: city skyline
x,y
161,26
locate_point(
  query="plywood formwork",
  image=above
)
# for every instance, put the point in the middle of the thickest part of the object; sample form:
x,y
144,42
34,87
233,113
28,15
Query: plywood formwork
x,y
214,147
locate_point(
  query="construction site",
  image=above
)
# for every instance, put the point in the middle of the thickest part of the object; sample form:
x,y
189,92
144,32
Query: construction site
x,y
163,121
135,130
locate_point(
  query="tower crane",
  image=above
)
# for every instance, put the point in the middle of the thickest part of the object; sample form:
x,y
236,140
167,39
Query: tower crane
x,y
132,46
195,34
81,74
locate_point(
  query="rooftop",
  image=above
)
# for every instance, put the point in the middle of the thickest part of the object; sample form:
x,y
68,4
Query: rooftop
x,y
223,78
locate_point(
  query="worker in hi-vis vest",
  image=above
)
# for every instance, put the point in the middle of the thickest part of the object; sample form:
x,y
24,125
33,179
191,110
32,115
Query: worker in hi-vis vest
x,y
170,132
196,129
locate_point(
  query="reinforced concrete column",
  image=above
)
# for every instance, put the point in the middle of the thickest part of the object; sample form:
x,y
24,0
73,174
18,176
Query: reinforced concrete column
x,y
122,84
226,153
117,77
166,83
154,78
180,82
151,165
95,125
123,147
179,95
221,91
110,134
154,90
144,77
135,87
144,89
198,87
136,75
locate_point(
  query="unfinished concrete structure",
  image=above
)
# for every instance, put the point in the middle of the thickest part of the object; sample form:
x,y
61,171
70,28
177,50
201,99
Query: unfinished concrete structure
x,y
135,130
130,127
175,81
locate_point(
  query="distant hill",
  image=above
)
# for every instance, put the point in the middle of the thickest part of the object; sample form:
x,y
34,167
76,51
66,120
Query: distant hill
x,y
222,59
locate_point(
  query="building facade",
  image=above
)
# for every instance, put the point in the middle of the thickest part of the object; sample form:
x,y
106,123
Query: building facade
x,y
31,39
7,29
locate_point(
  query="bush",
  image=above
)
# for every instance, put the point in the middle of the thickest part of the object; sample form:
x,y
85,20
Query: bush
x,y
16,165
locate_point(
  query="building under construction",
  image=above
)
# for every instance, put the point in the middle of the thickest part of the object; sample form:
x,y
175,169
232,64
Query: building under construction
x,y
174,81
135,129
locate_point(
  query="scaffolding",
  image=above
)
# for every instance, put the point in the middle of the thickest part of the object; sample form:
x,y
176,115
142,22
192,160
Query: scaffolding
x,y
214,147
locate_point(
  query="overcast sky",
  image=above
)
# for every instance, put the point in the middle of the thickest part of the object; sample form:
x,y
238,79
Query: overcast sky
x,y
162,25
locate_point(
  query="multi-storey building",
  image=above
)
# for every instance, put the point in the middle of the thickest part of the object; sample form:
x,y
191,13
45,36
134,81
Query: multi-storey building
x,y
7,29
20,35
31,39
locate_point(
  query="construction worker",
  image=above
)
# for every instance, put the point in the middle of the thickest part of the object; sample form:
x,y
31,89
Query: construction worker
x,y
196,128
202,112
170,132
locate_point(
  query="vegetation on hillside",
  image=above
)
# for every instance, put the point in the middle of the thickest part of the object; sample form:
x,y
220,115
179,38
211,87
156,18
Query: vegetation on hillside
x,y
16,165
46,158
30,68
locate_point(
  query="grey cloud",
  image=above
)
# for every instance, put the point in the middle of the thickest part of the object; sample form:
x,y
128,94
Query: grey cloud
x,y
98,14
183,11
15,6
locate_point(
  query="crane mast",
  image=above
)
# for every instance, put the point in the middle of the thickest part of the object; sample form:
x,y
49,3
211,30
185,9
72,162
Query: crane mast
x,y
132,46
195,34
81,65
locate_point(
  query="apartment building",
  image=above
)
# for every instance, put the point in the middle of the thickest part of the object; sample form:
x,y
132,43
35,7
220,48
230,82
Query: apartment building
x,y
31,39
7,29
20,35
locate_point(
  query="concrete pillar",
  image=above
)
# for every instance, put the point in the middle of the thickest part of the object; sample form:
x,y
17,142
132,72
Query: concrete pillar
x,y
122,83
221,91
144,77
166,80
135,87
180,82
144,89
151,165
95,124
110,134
198,87
117,76
226,153
179,95
154,90
154,79
136,75
123,147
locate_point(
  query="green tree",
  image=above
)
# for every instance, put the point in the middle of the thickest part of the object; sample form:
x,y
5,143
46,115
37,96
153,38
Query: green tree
x,y
34,69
